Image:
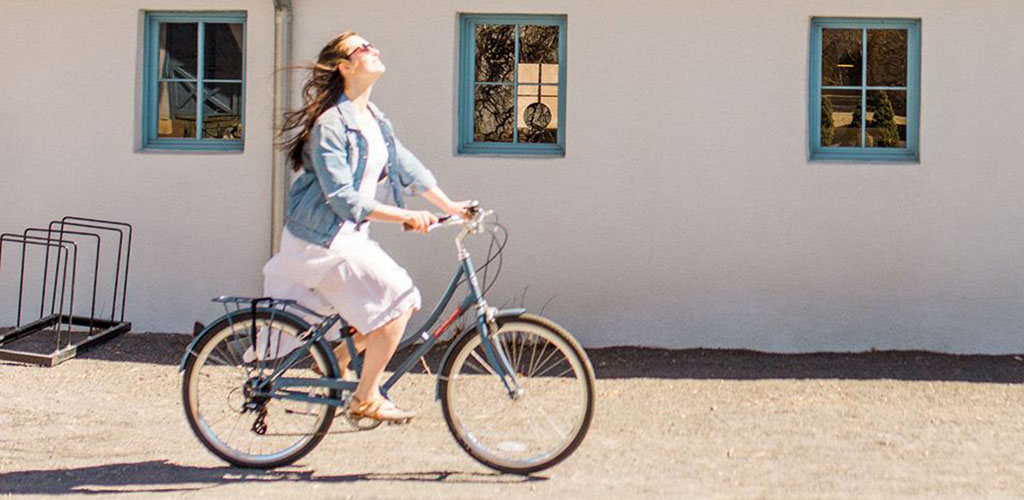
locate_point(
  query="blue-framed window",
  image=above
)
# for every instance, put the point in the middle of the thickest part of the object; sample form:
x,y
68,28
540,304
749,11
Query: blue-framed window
x,y
512,84
194,81
865,89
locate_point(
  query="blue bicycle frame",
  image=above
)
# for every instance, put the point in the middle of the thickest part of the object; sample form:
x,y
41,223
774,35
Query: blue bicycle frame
x,y
276,386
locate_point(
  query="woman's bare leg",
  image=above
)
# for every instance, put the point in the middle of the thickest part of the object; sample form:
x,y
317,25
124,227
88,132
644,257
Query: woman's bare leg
x,y
342,353
380,346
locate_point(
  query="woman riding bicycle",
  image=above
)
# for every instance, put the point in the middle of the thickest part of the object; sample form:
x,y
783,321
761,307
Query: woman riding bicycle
x,y
344,147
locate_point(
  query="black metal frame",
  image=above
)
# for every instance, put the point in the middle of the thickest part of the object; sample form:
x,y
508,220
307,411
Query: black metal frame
x,y
99,330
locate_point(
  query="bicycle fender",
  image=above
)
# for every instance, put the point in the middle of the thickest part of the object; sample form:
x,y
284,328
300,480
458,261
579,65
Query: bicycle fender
x,y
503,313
190,350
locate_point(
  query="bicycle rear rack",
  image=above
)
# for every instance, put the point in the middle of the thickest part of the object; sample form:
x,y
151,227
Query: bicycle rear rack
x,y
57,240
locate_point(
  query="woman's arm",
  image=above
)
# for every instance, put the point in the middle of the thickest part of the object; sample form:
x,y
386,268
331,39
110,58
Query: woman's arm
x,y
440,200
419,220
416,220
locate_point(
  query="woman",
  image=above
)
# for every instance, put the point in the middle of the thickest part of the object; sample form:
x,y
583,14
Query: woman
x,y
343,146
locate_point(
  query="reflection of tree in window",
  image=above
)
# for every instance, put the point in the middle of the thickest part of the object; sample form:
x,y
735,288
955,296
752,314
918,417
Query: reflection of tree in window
x,y
884,120
516,100
887,58
495,52
492,115
841,57
828,130
864,81
495,61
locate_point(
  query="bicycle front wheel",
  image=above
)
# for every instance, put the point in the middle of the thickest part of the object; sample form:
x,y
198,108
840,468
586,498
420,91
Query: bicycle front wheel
x,y
546,422
230,418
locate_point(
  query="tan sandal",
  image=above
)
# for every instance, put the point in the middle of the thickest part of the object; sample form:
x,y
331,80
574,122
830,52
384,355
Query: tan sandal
x,y
380,409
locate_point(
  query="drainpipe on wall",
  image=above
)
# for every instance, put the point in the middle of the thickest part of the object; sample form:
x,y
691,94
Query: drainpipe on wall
x,y
279,162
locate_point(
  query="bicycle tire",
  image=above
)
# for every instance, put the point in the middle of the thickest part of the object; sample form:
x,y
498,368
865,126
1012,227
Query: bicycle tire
x,y
236,328
495,448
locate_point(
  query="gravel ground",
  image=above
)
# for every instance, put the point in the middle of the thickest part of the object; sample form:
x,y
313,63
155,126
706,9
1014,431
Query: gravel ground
x,y
669,424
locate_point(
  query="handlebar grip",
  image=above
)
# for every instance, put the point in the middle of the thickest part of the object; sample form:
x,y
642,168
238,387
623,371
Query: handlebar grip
x,y
440,220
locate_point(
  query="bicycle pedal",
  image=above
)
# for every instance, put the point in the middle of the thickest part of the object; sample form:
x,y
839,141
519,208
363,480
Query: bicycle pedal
x,y
404,421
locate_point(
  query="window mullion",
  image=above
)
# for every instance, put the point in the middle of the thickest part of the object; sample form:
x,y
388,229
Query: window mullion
x,y
864,89
468,114
201,66
515,90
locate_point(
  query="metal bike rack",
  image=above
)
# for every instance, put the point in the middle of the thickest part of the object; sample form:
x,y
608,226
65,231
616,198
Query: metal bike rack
x,y
56,239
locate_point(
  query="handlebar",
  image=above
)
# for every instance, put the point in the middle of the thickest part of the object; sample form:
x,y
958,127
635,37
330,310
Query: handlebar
x,y
475,213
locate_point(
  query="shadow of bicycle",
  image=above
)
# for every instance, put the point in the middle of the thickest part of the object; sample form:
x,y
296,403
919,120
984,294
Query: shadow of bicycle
x,y
161,476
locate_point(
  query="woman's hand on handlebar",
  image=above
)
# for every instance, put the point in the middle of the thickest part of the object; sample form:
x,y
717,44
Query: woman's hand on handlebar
x,y
440,200
418,220
460,208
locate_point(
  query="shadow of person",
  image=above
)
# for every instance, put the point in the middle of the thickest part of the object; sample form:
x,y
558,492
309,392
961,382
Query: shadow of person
x,y
161,476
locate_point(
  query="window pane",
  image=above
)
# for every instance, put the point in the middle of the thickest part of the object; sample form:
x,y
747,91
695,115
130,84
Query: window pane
x,y
222,111
178,53
538,113
495,52
887,58
538,54
492,113
176,109
538,44
841,57
223,57
887,119
840,118
538,73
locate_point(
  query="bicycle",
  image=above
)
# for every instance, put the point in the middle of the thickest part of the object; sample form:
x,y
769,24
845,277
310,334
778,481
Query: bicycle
x,y
516,389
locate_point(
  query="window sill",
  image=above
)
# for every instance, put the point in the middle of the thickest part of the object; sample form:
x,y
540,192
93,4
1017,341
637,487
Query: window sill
x,y
193,146
498,149
856,155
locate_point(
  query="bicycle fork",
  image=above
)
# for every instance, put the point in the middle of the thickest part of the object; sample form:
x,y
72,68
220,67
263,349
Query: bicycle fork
x,y
496,356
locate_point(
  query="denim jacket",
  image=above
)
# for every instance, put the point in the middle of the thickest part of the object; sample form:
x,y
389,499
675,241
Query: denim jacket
x,y
326,194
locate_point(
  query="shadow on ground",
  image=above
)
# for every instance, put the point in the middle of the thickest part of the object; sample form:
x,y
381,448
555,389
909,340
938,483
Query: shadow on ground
x,y
161,476
633,362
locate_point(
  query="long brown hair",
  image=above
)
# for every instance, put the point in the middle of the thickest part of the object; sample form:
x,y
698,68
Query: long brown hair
x,y
321,91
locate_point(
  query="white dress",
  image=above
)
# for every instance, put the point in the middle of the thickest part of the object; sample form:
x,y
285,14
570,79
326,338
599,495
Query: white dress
x,y
354,277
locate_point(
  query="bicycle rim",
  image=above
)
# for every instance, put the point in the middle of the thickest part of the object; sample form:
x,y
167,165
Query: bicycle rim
x,y
538,429
216,396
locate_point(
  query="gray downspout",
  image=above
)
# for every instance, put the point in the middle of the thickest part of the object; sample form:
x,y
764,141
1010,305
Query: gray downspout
x,y
279,161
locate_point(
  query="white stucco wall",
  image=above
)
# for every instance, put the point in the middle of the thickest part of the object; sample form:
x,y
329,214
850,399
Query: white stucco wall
x,y
69,145
684,214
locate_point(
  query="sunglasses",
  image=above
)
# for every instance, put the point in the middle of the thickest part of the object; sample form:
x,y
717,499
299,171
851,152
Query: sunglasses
x,y
364,47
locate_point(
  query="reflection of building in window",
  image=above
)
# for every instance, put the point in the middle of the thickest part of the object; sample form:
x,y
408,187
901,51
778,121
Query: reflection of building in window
x,y
195,87
537,119
512,86
866,82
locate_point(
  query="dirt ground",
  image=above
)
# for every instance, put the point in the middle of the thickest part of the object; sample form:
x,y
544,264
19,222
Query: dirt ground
x,y
669,424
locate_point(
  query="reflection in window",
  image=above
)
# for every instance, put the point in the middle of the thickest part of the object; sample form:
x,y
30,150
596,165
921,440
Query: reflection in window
x,y
841,57
493,113
841,118
495,52
864,85
886,117
195,88
515,80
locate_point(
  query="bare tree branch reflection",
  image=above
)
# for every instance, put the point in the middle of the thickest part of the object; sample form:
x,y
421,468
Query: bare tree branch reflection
x,y
495,52
493,114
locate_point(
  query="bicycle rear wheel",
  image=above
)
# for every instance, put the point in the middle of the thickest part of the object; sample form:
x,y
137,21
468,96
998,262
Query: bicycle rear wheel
x,y
238,426
541,427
